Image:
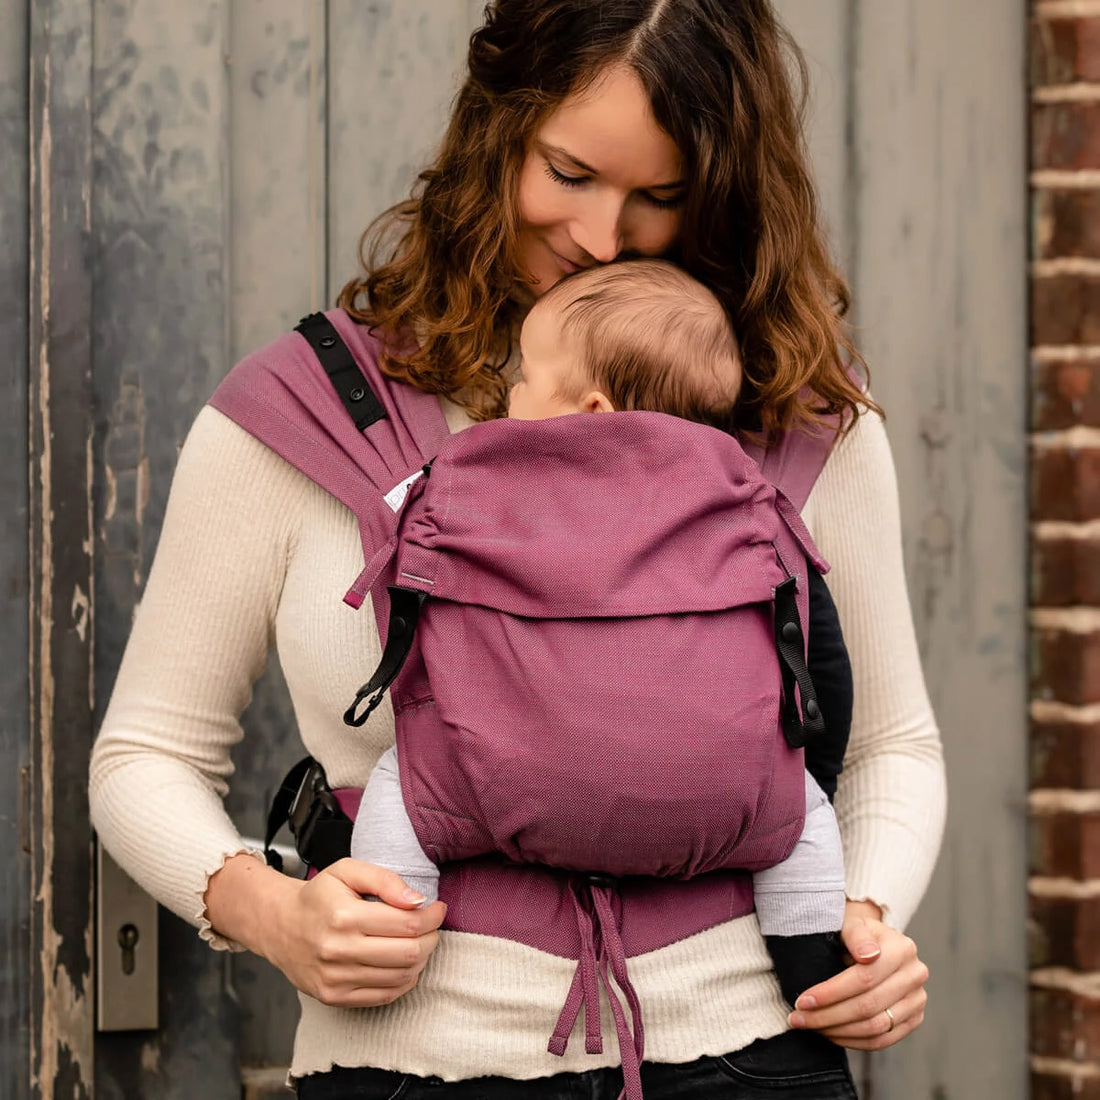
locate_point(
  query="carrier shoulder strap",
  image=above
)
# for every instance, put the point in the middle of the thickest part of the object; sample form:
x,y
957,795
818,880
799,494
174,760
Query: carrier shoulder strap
x,y
318,398
793,461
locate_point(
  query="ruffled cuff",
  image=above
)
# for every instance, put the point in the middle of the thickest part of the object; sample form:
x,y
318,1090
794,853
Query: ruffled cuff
x,y
207,932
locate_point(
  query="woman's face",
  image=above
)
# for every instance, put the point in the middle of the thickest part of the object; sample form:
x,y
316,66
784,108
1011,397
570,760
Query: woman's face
x,y
601,178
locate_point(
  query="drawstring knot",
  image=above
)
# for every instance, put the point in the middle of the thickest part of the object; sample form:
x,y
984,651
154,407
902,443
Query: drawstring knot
x,y
602,958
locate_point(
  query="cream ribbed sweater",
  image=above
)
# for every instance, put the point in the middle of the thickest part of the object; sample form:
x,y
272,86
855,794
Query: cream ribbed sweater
x,y
252,553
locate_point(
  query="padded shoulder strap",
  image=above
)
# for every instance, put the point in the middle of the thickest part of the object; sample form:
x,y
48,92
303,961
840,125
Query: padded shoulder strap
x,y
793,461
295,396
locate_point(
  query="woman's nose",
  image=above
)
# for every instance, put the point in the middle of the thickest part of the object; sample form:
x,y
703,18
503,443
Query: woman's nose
x,y
599,231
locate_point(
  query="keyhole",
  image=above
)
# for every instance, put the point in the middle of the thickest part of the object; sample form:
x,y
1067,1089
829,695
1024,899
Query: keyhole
x,y
127,938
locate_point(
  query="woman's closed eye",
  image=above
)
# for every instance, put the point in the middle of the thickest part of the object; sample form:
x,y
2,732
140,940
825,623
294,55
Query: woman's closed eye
x,y
660,202
560,177
670,203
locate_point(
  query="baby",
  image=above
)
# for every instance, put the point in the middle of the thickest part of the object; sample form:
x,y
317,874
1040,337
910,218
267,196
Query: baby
x,y
643,335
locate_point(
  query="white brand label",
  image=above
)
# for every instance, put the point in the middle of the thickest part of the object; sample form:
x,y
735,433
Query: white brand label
x,y
396,496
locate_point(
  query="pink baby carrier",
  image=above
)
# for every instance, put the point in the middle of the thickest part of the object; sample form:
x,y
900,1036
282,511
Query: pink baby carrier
x,y
593,647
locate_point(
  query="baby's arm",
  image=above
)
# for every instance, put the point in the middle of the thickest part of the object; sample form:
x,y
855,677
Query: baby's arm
x,y
383,833
800,902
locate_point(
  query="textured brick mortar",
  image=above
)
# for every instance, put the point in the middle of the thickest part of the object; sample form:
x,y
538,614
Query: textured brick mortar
x,y
1065,394
1065,51
1053,1079
1065,753
1064,848
1066,223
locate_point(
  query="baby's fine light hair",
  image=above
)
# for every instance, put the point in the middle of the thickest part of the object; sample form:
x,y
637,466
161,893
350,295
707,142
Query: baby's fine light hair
x,y
651,338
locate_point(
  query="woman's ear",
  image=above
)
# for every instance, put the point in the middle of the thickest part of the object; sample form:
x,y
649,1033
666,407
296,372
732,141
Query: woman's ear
x,y
596,402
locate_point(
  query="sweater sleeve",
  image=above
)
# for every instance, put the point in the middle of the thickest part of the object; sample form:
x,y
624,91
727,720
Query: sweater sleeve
x,y
891,798
200,639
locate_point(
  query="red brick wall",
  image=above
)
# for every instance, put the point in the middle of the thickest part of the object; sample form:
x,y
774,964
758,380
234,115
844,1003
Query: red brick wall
x,y
1064,856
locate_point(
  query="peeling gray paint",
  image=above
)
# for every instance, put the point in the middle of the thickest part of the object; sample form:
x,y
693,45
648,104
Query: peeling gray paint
x,y
60,548
160,258
393,71
279,203
15,1041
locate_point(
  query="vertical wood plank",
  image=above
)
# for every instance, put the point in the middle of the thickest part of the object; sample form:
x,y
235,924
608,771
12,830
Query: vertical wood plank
x,y
15,893
60,299
277,162
393,71
475,14
939,269
822,30
277,148
161,343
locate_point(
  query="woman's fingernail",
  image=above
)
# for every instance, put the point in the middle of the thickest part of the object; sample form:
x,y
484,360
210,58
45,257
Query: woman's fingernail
x,y
867,950
796,1019
409,894
806,1001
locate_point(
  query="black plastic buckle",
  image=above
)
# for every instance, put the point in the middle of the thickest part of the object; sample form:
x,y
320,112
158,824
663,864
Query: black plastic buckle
x,y
405,604
316,821
601,880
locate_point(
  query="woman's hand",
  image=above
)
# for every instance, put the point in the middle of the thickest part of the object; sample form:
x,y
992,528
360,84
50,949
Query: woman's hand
x,y
322,935
886,974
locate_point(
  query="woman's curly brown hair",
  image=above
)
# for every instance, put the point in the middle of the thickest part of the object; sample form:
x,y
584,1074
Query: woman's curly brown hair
x,y
443,266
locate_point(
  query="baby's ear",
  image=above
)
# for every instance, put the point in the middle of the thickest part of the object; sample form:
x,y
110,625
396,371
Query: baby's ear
x,y
596,402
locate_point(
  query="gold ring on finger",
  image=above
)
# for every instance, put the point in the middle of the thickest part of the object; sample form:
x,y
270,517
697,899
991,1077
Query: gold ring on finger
x,y
890,1017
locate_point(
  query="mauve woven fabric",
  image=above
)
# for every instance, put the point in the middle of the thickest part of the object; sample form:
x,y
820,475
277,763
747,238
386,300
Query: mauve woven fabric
x,y
533,905
594,684
282,397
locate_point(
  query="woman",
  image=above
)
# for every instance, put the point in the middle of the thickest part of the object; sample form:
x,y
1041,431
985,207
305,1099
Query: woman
x,y
585,132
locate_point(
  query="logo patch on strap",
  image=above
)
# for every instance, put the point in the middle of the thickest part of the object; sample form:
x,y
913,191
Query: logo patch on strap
x,y
396,496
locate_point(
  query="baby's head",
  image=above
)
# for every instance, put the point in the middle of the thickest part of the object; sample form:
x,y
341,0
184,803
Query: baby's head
x,y
636,335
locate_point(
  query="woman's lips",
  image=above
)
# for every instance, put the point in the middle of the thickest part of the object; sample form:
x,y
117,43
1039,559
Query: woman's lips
x,y
568,266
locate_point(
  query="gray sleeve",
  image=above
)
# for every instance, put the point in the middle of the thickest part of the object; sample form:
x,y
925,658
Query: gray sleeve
x,y
805,893
383,833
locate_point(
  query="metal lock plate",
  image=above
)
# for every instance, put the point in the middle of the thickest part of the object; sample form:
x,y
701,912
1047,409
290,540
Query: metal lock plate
x,y
126,950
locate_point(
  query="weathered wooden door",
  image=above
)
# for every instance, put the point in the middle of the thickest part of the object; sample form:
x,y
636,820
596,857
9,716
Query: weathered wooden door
x,y
197,179
917,130
15,740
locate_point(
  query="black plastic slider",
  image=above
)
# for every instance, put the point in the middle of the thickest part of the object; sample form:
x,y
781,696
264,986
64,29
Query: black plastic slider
x,y
797,683
347,379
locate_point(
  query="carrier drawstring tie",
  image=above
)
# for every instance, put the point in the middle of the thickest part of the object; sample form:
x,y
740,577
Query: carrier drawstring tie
x,y
601,950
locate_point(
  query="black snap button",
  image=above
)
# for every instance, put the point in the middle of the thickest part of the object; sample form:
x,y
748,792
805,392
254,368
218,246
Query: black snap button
x,y
598,878
357,394
790,632
812,709
328,341
397,626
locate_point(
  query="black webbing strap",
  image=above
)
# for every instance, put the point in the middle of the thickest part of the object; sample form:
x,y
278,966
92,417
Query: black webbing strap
x,y
305,802
405,604
797,727
344,373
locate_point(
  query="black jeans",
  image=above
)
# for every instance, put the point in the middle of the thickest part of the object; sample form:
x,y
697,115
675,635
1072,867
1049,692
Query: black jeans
x,y
796,1065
